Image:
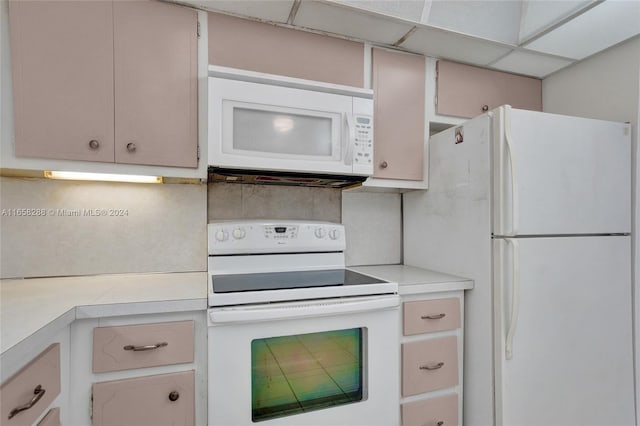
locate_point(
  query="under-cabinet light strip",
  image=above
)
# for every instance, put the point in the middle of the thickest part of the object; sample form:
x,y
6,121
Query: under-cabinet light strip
x,y
103,177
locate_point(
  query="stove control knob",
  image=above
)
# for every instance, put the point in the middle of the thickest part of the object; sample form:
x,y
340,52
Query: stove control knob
x,y
239,233
320,232
222,235
334,234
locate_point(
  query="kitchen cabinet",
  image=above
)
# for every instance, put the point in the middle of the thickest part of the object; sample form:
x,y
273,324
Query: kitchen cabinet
x,y
399,112
159,400
35,378
432,359
257,46
105,81
466,91
27,394
141,369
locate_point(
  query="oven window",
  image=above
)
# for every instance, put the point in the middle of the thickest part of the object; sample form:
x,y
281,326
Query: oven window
x,y
305,372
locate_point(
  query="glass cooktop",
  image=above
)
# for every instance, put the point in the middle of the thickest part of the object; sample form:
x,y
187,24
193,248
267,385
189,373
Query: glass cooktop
x,y
289,280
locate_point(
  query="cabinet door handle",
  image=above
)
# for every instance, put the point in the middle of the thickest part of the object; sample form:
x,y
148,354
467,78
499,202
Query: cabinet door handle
x,y
438,316
38,393
94,144
440,423
485,108
432,366
145,348
174,395
131,147
384,165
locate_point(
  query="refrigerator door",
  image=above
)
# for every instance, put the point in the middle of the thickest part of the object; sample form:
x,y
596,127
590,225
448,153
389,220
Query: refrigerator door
x,y
569,337
560,175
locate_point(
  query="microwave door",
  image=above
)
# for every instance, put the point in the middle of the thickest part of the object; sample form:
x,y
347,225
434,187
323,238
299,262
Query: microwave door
x,y
279,128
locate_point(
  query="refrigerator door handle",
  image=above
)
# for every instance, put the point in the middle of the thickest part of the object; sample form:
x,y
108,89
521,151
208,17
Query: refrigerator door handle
x,y
515,297
515,210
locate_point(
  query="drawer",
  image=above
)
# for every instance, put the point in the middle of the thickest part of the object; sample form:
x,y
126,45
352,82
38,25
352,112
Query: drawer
x,y
439,411
426,316
429,365
20,389
164,399
52,418
143,345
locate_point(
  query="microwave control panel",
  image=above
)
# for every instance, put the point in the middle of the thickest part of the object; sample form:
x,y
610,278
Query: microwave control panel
x,y
363,144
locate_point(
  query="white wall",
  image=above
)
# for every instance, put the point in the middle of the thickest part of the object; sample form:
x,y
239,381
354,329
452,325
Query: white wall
x,y
607,86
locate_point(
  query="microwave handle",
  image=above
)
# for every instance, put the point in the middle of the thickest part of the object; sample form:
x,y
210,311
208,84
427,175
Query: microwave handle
x,y
350,140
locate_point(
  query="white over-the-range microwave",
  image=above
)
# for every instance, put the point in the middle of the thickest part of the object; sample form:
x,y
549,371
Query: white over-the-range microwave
x,y
266,124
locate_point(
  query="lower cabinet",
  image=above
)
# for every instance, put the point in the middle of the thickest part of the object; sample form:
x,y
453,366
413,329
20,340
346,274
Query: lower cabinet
x,y
432,355
142,370
28,393
163,399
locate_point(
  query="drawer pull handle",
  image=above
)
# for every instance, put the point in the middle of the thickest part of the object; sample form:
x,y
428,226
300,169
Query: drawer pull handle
x,y
440,423
438,316
174,395
145,348
432,366
38,393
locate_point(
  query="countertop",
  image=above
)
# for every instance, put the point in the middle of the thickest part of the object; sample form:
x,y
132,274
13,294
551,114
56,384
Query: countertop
x,y
412,280
29,307
40,306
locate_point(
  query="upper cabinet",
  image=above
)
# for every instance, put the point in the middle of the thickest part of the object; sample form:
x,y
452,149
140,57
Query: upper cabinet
x,y
105,81
62,57
467,91
399,115
256,46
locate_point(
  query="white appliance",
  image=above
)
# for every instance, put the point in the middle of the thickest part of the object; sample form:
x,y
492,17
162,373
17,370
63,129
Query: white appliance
x,y
535,208
266,122
295,338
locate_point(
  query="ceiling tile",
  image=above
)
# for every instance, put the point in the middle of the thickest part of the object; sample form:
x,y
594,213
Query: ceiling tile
x,y
530,63
411,10
337,19
491,20
604,25
538,15
272,10
457,47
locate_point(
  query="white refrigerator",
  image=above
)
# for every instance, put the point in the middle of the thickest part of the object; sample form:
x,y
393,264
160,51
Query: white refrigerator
x,y
536,209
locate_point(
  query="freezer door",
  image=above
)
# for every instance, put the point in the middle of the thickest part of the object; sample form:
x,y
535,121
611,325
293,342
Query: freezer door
x,y
563,355
560,175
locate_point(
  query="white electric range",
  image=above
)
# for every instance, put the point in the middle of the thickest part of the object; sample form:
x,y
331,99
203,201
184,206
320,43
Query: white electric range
x,y
295,337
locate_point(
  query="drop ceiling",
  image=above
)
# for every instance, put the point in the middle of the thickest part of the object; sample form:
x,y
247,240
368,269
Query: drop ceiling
x,y
529,37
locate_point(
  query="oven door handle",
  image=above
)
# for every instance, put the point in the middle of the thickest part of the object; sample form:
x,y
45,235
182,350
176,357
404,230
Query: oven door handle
x,y
289,310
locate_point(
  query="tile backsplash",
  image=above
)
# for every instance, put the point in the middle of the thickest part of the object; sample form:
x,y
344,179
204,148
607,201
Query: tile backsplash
x,y
244,201
373,224
57,228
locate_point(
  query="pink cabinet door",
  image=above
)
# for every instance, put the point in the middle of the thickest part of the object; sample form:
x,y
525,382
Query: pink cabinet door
x,y
165,399
429,365
467,91
427,316
439,411
52,418
36,385
142,345
156,77
62,63
399,115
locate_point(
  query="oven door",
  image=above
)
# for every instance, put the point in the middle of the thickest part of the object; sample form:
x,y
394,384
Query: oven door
x,y
328,362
